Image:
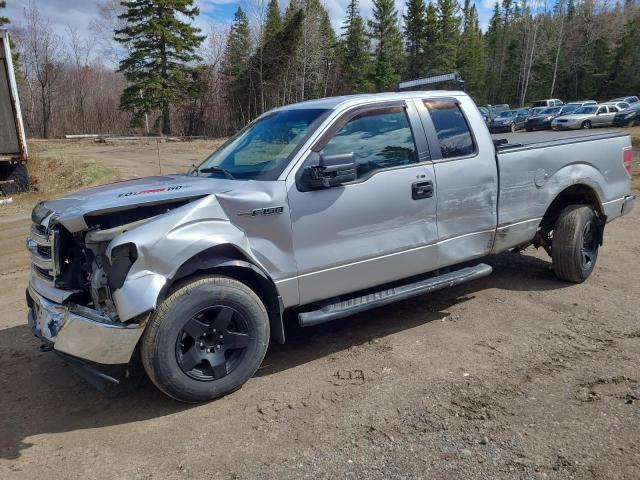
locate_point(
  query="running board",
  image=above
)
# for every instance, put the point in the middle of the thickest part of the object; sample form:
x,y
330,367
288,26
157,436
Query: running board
x,y
341,309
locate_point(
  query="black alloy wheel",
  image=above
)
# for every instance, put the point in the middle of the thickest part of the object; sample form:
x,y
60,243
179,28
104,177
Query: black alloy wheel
x,y
589,249
212,342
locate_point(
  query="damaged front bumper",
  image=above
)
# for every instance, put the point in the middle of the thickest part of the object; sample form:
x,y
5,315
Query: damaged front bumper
x,y
82,333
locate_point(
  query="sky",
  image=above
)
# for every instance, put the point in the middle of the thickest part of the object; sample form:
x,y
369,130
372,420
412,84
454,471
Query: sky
x,y
79,13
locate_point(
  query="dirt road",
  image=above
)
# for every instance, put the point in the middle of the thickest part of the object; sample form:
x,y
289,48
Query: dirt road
x,y
515,376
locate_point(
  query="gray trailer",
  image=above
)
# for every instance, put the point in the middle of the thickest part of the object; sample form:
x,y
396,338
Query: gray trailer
x,y
13,144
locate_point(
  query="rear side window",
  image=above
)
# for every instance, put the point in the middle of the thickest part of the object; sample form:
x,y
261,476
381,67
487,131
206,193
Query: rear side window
x,y
451,127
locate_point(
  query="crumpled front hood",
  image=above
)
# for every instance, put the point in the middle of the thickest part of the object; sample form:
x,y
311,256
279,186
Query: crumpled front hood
x,y
112,197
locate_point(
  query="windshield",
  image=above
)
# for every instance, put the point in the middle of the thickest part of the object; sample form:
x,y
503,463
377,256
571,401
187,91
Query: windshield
x,y
550,111
585,110
263,148
507,114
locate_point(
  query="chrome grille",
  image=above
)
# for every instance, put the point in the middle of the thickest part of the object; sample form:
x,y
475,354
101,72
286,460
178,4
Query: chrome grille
x,y
42,245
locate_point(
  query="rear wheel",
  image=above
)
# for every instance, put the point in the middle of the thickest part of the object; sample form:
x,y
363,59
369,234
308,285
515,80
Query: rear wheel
x,y
206,339
586,124
20,180
575,243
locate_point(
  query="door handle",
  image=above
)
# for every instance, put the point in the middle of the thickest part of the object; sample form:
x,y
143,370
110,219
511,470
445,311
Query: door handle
x,y
422,190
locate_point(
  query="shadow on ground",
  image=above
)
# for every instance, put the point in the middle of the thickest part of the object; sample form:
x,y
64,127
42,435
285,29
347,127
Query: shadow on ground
x,y
39,394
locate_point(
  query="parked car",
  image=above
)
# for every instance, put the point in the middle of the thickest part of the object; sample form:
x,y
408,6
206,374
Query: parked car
x,y
552,102
492,111
629,100
620,105
320,210
486,114
509,121
533,112
628,117
586,117
573,106
543,120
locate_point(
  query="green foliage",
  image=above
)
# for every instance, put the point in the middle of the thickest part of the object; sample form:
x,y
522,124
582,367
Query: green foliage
x,y
159,67
354,53
236,63
388,57
415,23
471,58
446,42
625,70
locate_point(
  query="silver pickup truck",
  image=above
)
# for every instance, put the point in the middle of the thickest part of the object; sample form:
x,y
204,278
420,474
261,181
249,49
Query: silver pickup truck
x,y
321,209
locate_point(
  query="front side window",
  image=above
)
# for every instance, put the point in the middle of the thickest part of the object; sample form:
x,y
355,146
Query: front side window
x,y
452,128
262,150
377,138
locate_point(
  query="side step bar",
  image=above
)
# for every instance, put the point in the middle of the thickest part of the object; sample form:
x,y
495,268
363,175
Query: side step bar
x,y
341,309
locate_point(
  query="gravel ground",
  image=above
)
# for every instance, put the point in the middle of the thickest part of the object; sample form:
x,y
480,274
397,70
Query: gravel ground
x,y
515,376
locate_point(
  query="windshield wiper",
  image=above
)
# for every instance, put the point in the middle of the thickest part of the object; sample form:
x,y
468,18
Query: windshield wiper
x,y
216,169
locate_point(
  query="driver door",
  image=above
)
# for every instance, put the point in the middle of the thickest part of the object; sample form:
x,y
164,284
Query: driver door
x,y
380,227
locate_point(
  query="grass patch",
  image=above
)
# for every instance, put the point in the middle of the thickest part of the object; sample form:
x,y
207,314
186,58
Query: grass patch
x,y
51,177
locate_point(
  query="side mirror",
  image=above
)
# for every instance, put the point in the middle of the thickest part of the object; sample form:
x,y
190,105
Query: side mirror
x,y
331,171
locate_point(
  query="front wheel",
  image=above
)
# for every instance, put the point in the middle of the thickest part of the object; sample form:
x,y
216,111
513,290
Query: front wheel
x,y
575,243
513,128
206,339
586,124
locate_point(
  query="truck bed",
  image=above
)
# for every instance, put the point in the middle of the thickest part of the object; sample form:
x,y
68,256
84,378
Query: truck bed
x,y
546,138
535,167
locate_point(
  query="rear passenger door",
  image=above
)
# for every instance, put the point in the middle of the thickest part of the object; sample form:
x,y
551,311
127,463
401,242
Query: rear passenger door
x,y
466,176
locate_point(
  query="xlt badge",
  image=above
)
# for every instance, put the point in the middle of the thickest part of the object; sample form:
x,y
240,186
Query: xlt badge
x,y
263,211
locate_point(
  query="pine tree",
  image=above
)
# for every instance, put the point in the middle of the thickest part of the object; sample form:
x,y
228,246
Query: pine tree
x,y
415,35
329,54
236,64
471,51
448,35
388,58
158,67
354,52
431,35
273,25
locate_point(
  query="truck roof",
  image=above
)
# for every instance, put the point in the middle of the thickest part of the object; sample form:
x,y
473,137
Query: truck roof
x,y
330,103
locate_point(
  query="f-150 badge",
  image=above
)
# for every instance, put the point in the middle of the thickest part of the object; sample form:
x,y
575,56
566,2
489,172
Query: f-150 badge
x,y
263,211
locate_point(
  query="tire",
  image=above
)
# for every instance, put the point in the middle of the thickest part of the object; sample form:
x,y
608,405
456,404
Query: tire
x,y
575,244
187,349
529,129
586,124
513,128
20,177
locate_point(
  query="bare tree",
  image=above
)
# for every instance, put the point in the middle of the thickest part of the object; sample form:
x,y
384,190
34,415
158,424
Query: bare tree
x,y
80,55
43,56
103,27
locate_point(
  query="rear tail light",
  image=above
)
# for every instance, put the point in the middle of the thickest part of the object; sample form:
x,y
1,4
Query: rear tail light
x,y
627,158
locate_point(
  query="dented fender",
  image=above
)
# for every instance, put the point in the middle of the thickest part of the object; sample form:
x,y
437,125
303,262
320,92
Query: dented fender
x,y
165,243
